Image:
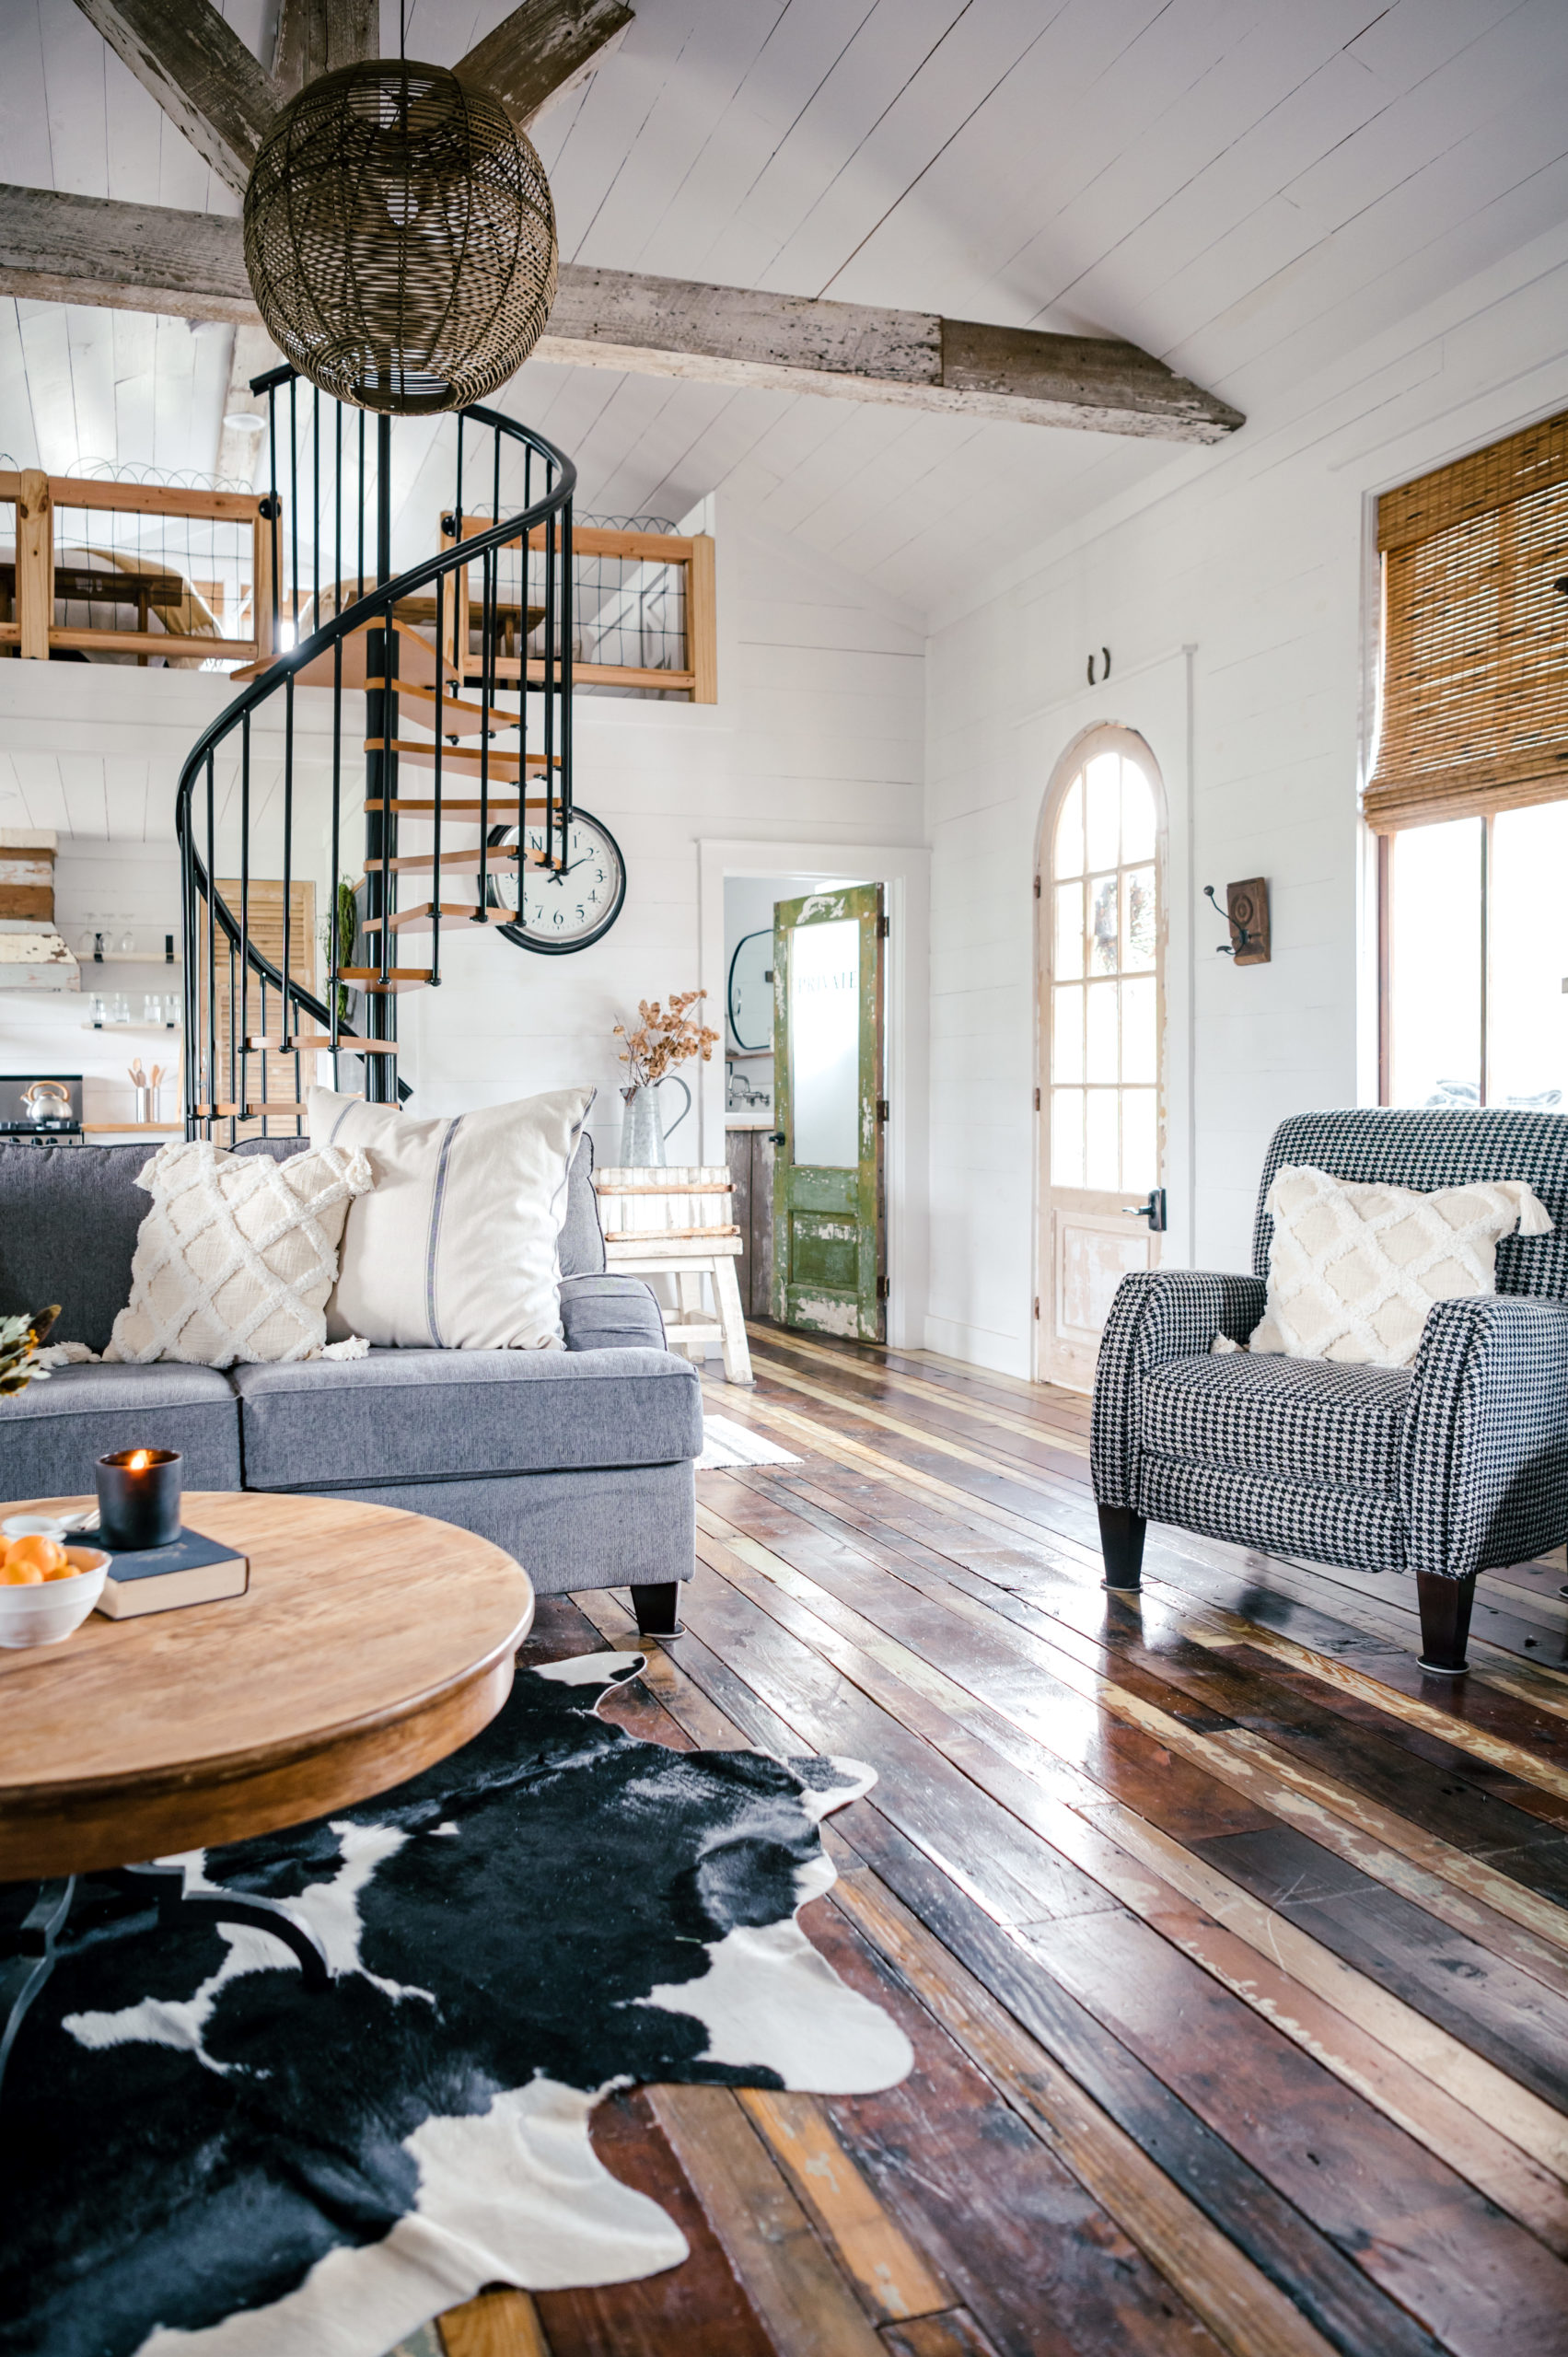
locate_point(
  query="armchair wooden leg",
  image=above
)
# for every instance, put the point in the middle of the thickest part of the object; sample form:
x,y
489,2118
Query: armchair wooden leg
x,y
1445,1622
1121,1543
658,1607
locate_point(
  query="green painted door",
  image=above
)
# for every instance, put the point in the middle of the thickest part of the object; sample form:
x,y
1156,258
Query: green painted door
x,y
829,1225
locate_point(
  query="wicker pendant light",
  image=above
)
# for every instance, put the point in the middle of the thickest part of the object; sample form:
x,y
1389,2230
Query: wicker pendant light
x,y
399,238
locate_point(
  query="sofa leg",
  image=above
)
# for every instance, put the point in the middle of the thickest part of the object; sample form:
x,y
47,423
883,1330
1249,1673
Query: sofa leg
x,y
1445,1622
658,1607
1121,1543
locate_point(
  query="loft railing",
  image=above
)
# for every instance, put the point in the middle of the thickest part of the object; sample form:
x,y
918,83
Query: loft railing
x,y
264,814
134,570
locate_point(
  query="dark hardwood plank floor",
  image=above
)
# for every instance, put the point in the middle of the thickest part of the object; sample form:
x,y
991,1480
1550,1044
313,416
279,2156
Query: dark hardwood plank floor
x,y
1234,1952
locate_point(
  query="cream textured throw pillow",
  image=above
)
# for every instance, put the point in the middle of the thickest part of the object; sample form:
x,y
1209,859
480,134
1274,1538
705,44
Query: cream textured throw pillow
x,y
238,1255
1353,1269
455,1249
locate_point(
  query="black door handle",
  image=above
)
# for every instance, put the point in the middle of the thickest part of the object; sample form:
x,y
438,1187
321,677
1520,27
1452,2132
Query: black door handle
x,y
776,1137
1153,1210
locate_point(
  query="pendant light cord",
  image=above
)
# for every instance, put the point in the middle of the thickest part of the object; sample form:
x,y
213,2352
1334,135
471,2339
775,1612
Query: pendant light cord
x,y
402,32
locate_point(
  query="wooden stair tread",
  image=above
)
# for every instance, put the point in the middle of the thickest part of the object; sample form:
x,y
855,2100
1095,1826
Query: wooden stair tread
x,y
419,654
320,1043
398,978
467,810
498,860
467,759
452,715
416,919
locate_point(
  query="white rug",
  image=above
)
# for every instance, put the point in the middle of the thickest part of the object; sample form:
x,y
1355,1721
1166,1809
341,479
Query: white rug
x,y
727,1444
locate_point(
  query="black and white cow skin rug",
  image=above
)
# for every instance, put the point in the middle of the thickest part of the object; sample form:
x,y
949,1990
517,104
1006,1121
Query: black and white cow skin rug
x,y
199,2157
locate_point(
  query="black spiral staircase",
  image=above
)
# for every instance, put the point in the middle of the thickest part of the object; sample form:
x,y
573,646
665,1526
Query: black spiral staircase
x,y
432,681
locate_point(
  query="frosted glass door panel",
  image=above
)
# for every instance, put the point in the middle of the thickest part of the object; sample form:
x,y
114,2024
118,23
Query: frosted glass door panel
x,y
824,1031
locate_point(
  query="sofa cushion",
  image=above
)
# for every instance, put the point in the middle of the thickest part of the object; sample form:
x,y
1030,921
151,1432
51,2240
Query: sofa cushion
x,y
1295,1419
403,1416
610,1313
52,1434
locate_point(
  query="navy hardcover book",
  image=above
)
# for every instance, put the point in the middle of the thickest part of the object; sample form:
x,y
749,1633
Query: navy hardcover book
x,y
195,1569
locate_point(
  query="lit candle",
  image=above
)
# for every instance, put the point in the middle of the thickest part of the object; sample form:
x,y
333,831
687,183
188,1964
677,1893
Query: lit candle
x,y
138,1499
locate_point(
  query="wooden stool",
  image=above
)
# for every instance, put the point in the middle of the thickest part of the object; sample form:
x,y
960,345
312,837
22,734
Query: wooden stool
x,y
677,1224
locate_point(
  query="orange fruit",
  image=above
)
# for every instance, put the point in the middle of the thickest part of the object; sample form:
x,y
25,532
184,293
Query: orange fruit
x,y
15,1574
47,1553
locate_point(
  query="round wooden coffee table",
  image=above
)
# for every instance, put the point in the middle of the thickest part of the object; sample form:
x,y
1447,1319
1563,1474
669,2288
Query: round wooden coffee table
x,y
370,1643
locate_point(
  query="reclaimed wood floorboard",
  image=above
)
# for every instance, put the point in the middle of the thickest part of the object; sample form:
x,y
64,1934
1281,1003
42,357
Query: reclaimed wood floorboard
x,y
1234,1952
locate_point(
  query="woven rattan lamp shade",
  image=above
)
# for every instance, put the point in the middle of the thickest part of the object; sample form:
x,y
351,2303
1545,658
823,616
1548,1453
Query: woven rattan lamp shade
x,y
1475,634
399,238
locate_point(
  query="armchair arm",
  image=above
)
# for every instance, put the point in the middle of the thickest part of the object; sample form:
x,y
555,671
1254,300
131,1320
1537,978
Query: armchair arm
x,y
601,1313
1164,1314
1485,1464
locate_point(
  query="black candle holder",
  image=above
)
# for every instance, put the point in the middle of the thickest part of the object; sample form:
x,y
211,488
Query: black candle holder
x,y
138,1499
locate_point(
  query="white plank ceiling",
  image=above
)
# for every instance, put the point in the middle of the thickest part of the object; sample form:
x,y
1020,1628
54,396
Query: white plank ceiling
x,y
1247,188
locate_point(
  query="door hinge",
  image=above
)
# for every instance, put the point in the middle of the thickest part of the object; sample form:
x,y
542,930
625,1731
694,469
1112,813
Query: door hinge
x,y
883,928
881,1108
884,1287
1037,887
1037,1100
1037,1304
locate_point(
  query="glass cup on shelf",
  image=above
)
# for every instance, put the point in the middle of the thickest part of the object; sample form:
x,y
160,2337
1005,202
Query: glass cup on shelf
x,y
97,1012
127,942
120,1008
152,1009
86,942
171,1011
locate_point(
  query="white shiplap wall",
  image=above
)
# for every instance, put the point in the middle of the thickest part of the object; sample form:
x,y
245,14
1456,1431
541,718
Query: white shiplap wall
x,y
1252,557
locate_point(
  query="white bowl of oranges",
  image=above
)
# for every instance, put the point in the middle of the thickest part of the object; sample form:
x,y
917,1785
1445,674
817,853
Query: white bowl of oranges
x,y
47,1588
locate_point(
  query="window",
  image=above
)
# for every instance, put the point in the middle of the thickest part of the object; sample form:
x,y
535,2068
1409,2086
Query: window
x,y
1104,1015
1474,1008
1469,791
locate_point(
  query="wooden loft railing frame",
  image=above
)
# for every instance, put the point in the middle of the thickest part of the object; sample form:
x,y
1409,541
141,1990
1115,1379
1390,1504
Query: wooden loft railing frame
x,y
36,496
698,678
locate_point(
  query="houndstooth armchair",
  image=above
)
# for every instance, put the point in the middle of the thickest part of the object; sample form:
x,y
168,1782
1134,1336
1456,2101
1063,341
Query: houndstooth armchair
x,y
1445,1469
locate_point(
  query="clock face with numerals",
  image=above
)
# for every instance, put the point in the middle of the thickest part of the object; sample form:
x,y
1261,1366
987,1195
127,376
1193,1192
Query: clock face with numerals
x,y
559,911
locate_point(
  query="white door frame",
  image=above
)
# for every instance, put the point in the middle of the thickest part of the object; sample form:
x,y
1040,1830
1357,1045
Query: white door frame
x,y
904,872
1097,735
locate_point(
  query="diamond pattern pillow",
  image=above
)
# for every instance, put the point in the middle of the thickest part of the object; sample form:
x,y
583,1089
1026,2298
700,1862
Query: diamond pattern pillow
x,y
1353,1269
238,1255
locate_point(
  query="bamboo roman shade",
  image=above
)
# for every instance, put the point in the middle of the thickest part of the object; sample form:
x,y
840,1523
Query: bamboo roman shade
x,y
1475,634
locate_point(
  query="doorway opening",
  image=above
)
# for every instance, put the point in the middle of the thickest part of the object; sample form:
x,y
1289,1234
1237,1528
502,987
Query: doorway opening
x,y
1100,940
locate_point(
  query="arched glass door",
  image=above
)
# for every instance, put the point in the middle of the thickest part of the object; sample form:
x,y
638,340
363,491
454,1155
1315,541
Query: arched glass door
x,y
1102,1028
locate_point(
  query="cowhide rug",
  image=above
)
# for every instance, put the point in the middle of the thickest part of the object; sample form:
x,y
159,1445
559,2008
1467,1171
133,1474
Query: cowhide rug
x,y
199,2157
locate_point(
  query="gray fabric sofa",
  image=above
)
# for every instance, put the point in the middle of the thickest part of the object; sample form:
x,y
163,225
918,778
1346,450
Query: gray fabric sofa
x,y
578,1462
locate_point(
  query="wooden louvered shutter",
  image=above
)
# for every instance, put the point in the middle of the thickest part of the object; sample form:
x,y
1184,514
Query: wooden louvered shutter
x,y
1475,634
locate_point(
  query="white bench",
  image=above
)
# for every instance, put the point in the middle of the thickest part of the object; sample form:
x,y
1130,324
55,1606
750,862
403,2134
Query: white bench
x,y
676,1222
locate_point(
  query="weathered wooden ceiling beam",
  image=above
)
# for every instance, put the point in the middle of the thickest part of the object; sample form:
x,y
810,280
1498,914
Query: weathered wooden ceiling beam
x,y
317,37
147,258
541,49
199,70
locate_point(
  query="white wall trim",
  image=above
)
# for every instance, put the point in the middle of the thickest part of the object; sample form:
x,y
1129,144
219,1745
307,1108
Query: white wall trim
x,y
905,871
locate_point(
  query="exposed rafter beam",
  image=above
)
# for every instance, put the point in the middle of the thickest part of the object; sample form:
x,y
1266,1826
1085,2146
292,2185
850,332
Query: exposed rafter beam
x,y
199,70
541,49
317,37
147,258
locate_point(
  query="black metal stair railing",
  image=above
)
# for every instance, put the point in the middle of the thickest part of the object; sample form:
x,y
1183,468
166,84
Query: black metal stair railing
x,y
247,799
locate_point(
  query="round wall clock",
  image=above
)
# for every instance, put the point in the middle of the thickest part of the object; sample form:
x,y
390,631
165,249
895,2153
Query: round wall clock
x,y
559,912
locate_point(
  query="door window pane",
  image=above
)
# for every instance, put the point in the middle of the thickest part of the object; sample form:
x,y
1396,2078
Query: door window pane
x,y
1069,854
1100,1056
1102,1158
1103,810
1067,960
1138,919
1137,815
824,1040
1140,1045
1435,964
1102,924
1527,1047
1140,1145
1067,1034
1066,1137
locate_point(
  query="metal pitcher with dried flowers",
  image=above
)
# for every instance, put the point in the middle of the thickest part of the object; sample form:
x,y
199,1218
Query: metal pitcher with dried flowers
x,y
665,1036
